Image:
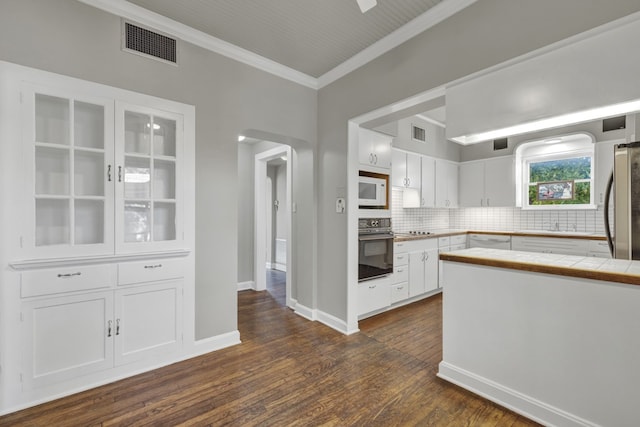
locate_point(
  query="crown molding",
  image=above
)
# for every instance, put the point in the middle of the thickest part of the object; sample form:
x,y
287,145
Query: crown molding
x,y
188,34
142,16
430,18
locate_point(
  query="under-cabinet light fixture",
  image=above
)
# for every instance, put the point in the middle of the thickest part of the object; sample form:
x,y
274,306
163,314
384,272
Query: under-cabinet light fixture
x,y
552,122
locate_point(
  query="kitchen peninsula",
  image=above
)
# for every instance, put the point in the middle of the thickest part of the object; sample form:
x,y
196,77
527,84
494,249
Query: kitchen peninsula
x,y
553,337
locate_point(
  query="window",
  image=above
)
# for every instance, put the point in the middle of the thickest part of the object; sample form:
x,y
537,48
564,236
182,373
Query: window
x,y
556,173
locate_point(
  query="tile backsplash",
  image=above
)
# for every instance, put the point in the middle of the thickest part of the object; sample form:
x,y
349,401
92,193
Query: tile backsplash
x,y
507,219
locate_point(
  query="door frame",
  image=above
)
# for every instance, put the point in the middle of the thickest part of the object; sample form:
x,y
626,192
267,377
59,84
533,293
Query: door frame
x,y
260,218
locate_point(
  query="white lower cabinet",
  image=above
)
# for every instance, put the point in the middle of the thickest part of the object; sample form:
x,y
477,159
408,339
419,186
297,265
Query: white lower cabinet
x,y
423,266
68,336
448,244
147,321
373,295
550,245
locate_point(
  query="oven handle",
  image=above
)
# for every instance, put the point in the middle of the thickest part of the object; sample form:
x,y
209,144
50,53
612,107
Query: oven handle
x,y
384,236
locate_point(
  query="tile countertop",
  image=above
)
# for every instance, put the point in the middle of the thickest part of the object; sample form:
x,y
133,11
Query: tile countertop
x,y
403,237
610,270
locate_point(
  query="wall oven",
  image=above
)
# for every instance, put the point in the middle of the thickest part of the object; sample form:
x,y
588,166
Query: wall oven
x,y
375,248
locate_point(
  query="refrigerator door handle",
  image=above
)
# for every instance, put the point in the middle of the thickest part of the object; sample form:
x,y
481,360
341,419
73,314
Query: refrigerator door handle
x,y
607,224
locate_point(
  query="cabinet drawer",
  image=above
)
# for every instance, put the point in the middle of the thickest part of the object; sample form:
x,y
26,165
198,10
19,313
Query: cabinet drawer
x,y
399,292
444,241
399,247
400,259
460,239
400,273
149,271
67,279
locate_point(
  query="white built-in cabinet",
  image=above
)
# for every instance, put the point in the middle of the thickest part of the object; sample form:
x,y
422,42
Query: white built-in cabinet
x,y
405,169
103,175
604,167
446,184
103,261
374,151
487,183
428,183
423,266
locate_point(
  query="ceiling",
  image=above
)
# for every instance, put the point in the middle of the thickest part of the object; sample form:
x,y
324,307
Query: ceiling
x,y
310,36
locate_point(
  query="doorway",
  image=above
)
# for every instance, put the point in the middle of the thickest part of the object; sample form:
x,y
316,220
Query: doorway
x,y
272,230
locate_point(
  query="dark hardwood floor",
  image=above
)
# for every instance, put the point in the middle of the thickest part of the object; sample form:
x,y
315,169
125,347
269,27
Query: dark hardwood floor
x,y
289,371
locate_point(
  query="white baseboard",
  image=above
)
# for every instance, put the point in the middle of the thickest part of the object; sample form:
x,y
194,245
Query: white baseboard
x,y
306,312
243,286
324,318
218,342
511,399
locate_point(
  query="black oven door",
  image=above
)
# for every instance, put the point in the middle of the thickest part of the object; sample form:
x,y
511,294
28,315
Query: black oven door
x,y
375,256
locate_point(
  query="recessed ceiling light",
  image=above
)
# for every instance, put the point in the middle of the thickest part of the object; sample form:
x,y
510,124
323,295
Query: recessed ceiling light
x,y
552,122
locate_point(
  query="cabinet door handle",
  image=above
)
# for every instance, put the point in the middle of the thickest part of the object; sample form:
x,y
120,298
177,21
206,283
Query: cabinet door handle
x,y
109,323
153,266
400,270
77,273
117,326
400,287
372,286
371,158
375,156
426,256
119,173
109,173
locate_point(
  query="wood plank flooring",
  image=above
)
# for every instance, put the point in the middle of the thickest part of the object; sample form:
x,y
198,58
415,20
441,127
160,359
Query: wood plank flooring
x,y
292,372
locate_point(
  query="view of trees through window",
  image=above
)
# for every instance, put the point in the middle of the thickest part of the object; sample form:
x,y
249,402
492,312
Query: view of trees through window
x,y
560,182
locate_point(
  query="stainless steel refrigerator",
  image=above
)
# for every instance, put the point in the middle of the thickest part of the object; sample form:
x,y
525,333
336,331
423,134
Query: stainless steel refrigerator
x,y
624,239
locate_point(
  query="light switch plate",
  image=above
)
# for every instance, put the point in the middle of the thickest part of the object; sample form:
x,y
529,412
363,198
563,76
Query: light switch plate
x,y
340,205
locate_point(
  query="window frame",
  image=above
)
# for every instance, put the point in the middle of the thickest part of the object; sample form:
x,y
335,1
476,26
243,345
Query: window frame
x,y
584,148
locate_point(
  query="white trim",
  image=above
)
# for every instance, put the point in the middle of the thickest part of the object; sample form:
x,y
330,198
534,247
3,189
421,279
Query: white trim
x,y
335,323
153,20
142,16
511,399
430,120
248,285
430,18
304,311
214,343
279,267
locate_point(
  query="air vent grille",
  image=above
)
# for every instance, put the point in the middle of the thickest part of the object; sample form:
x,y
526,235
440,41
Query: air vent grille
x,y
500,144
418,133
147,42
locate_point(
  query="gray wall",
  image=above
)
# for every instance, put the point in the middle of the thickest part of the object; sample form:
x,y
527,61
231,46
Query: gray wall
x,y
484,34
71,38
435,145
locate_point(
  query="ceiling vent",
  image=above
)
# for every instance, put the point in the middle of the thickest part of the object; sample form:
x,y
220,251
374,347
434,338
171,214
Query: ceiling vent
x,y
500,144
418,133
614,123
142,41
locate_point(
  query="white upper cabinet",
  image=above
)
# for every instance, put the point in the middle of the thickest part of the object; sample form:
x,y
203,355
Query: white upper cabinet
x,y
101,176
374,151
405,169
148,194
446,189
428,183
68,173
604,167
487,183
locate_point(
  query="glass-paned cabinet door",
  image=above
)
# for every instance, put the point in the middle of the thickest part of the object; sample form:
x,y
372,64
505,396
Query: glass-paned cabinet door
x,y
148,199
70,173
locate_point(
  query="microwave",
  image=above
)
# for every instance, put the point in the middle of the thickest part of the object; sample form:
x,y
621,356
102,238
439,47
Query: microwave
x,y
372,192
